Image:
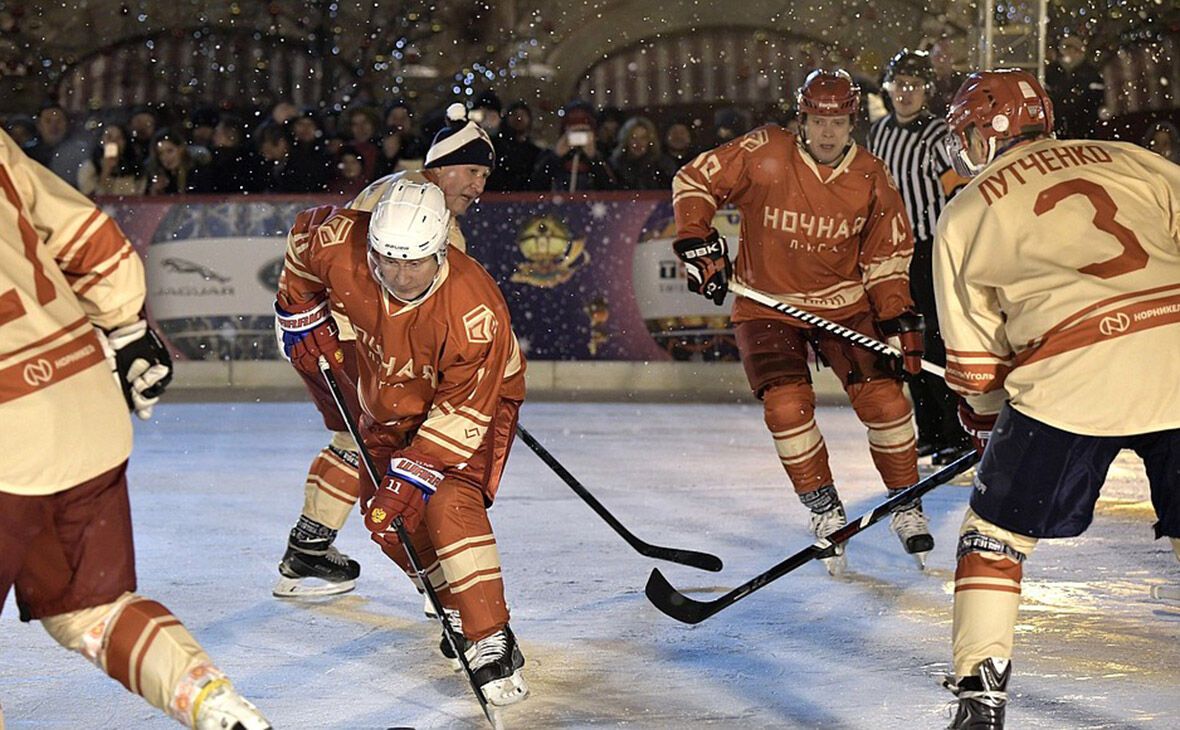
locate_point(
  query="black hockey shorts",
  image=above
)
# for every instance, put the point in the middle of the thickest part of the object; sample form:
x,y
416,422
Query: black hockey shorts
x,y
1041,481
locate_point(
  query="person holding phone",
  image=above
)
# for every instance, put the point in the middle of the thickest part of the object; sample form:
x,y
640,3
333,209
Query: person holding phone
x,y
574,163
114,168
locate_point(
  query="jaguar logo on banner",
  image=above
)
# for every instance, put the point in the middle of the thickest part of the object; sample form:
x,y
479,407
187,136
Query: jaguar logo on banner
x,y
552,254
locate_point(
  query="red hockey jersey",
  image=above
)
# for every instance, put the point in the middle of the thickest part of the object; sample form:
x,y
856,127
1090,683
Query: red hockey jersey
x,y
833,241
434,369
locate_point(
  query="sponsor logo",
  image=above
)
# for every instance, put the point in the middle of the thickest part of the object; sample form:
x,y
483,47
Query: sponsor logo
x,y
184,266
38,373
1114,324
268,275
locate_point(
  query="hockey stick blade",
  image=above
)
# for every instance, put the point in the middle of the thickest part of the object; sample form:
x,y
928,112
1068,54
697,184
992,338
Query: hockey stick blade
x,y
687,610
691,558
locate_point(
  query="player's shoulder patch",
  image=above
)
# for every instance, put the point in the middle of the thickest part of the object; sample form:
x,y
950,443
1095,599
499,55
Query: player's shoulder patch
x,y
334,231
479,325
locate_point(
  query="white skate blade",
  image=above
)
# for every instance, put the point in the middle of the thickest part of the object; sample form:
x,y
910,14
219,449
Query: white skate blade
x,y
507,691
310,587
835,565
1166,593
920,559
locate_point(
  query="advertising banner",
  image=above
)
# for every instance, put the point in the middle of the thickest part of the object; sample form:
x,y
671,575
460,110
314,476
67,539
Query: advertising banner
x,y
586,276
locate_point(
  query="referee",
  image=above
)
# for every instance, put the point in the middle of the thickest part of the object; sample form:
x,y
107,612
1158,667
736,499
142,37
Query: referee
x,y
910,142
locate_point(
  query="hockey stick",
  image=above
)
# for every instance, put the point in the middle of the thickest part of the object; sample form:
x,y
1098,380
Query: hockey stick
x,y
404,538
826,324
704,561
687,610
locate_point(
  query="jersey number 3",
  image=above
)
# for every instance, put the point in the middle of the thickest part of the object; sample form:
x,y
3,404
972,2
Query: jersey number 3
x,y
1133,256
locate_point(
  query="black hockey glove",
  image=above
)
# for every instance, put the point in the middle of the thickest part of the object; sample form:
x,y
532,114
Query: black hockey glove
x,y
141,365
706,262
906,333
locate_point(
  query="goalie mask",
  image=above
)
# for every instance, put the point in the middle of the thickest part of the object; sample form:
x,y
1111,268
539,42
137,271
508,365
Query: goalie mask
x,y
408,238
1003,107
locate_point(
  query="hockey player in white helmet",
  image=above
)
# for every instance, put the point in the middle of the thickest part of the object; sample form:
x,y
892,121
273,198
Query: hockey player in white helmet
x,y
408,239
458,162
441,378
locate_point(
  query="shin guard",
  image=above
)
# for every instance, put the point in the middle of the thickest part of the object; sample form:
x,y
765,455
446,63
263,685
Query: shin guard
x,y
139,643
884,410
789,410
333,483
987,592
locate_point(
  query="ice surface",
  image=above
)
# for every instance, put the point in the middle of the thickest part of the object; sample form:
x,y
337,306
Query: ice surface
x,y
216,487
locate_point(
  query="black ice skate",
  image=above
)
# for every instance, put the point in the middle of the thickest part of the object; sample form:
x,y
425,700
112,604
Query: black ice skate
x,y
982,696
445,646
496,662
307,572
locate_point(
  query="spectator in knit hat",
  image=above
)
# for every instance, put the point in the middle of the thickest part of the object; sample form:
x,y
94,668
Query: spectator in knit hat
x,y
574,163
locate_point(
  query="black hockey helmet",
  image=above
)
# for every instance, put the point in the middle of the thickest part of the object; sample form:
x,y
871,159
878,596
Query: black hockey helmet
x,y
911,63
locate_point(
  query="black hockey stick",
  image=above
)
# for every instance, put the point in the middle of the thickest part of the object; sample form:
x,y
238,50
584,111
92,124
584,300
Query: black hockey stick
x,y
404,537
827,325
704,561
687,610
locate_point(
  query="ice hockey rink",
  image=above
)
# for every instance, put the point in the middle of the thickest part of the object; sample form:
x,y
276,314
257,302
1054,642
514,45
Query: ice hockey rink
x,y
216,486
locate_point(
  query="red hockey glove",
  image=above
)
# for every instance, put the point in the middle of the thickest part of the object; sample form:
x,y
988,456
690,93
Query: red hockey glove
x,y
906,332
404,491
303,337
706,262
978,426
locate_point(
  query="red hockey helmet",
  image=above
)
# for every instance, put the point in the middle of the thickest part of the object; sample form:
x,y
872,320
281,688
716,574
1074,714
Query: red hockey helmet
x,y
1002,106
828,94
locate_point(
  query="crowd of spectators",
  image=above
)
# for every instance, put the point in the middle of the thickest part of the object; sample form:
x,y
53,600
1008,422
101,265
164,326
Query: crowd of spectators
x,y
157,151
154,151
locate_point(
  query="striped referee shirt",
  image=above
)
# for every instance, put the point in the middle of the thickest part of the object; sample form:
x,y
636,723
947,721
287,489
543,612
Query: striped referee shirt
x,y
917,160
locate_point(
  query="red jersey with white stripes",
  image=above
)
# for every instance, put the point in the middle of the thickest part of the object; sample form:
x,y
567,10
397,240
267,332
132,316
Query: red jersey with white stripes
x,y
1057,273
831,240
65,268
437,367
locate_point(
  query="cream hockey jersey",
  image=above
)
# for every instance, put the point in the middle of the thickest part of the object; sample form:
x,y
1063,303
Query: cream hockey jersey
x,y
832,241
366,200
435,368
1057,274
65,268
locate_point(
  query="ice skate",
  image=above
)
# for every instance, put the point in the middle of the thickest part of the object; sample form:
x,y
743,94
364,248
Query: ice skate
x,y
307,573
444,646
824,524
913,529
496,662
982,696
224,709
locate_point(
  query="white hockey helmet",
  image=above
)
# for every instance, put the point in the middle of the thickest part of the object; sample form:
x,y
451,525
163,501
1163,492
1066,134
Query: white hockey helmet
x,y
410,221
